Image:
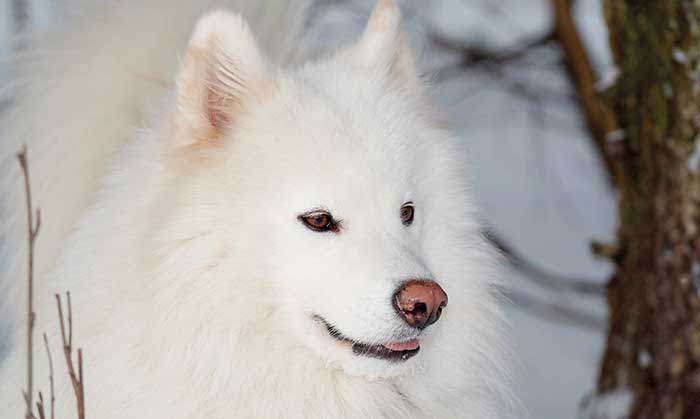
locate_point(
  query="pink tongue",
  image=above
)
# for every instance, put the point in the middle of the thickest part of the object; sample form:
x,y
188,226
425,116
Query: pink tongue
x,y
409,345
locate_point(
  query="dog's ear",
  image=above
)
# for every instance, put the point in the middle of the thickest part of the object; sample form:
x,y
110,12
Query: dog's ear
x,y
384,46
221,69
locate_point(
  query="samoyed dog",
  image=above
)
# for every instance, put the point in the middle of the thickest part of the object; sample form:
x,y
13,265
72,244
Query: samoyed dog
x,y
244,233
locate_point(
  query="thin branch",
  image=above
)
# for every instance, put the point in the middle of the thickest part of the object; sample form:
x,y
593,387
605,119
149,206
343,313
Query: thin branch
x,y
601,119
40,406
556,312
493,64
540,276
29,415
472,55
70,321
526,89
32,233
81,403
48,354
76,378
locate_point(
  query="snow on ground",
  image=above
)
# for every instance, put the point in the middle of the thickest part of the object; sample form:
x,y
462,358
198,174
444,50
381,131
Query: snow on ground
x,y
537,178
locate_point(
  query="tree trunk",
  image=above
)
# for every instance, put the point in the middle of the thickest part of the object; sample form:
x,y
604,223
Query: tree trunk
x,y
653,344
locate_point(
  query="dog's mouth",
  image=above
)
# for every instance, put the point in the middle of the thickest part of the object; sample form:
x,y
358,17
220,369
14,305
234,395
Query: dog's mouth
x,y
390,351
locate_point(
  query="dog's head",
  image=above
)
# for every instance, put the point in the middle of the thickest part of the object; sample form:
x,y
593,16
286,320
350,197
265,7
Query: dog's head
x,y
333,189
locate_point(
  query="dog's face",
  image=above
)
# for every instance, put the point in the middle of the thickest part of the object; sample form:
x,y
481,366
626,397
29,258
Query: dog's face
x,y
337,191
340,213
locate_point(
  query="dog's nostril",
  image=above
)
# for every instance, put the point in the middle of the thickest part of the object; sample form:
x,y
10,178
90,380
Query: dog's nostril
x,y
420,308
420,302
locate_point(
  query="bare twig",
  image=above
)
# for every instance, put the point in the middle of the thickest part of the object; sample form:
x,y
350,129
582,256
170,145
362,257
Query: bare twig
x,y
540,276
557,312
33,226
48,354
75,377
473,55
495,65
40,407
601,120
32,233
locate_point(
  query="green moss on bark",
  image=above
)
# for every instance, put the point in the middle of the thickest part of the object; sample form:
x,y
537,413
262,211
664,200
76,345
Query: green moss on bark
x,y
653,296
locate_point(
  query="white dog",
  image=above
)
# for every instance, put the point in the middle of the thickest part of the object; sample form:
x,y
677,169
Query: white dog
x,y
244,237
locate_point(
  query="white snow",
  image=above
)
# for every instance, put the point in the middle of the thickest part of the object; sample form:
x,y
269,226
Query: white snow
x,y
644,359
613,405
679,56
607,79
694,159
615,136
695,275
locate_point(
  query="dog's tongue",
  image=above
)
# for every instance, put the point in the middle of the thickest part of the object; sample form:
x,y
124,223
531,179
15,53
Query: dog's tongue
x,y
409,345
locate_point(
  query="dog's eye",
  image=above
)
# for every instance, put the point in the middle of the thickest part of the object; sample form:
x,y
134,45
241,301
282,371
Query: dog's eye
x,y
407,213
319,221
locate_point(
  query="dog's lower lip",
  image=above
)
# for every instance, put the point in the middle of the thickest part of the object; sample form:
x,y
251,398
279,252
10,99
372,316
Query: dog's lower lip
x,y
392,351
382,352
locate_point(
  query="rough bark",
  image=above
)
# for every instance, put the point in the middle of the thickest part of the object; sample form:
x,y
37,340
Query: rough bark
x,y
653,344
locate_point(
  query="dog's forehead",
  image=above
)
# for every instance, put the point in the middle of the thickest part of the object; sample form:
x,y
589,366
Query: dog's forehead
x,y
343,131
323,149
341,108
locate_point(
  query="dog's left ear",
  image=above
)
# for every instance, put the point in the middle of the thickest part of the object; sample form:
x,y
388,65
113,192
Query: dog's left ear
x,y
384,46
222,70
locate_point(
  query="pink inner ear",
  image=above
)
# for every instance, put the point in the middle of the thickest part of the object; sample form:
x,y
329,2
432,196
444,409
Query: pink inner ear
x,y
217,109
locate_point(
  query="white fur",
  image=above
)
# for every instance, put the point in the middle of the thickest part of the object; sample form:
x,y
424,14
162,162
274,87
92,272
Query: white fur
x,y
193,282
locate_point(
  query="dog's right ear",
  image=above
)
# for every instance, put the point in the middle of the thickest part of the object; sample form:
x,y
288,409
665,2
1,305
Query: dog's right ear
x,y
221,69
383,48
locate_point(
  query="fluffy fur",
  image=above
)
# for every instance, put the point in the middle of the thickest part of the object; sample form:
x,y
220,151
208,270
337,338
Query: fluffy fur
x,y
171,173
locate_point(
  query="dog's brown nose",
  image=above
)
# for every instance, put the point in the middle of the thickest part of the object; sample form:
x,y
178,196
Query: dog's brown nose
x,y
420,302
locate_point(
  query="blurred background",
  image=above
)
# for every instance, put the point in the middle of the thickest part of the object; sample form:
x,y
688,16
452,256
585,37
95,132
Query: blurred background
x,y
503,72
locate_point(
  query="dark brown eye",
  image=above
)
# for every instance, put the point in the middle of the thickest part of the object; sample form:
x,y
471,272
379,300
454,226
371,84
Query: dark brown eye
x,y
319,221
407,213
